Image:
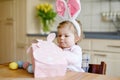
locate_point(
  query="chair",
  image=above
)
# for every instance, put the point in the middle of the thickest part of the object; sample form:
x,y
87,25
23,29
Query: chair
x,y
97,68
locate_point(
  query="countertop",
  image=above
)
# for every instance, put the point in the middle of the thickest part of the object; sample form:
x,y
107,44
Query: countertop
x,y
102,35
91,35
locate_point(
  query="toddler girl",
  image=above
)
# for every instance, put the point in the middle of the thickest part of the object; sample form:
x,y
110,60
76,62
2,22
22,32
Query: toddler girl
x,y
67,37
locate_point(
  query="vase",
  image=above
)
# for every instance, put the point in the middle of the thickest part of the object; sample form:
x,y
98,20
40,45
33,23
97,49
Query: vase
x,y
44,32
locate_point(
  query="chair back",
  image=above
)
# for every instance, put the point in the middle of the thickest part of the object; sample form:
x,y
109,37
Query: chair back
x,y
97,68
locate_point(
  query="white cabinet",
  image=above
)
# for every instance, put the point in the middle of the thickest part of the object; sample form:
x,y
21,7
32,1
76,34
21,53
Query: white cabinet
x,y
85,44
104,50
12,30
106,45
112,60
7,31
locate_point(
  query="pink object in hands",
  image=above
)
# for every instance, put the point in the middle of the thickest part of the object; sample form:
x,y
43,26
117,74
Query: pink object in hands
x,y
47,58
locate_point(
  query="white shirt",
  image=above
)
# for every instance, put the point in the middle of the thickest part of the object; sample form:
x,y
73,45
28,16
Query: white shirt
x,y
73,56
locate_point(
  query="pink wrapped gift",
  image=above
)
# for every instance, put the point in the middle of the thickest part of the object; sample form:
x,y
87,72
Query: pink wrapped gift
x,y
47,58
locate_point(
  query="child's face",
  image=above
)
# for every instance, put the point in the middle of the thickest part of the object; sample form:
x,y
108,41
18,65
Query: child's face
x,y
65,37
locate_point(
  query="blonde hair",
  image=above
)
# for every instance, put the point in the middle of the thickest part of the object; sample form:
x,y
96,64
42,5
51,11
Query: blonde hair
x,y
71,27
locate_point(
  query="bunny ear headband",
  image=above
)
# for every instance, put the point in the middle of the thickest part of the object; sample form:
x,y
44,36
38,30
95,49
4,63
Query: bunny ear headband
x,y
69,11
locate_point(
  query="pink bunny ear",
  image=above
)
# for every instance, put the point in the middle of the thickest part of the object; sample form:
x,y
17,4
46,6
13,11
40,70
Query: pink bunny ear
x,y
74,8
69,11
51,37
60,7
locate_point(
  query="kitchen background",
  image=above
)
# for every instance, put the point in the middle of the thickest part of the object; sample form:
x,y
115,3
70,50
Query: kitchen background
x,y
19,26
92,14
95,16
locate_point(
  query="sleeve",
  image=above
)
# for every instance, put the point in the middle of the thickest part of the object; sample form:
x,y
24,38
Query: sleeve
x,y
74,56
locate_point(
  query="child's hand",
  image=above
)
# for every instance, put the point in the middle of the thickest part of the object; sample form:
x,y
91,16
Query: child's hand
x,y
34,41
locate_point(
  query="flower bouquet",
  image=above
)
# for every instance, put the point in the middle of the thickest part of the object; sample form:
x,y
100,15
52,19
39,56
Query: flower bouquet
x,y
46,15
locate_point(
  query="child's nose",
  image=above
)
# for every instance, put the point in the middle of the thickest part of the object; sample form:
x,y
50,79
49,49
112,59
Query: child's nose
x,y
62,37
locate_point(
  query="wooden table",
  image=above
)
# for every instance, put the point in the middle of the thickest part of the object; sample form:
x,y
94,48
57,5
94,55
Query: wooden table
x,y
21,74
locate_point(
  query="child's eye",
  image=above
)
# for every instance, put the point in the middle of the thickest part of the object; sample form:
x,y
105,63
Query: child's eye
x,y
66,35
59,35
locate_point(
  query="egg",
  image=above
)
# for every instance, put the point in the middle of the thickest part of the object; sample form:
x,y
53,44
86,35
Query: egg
x,y
20,64
25,65
13,65
30,68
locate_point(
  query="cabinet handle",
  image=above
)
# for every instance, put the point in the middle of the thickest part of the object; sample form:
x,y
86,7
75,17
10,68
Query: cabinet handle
x,y
113,46
9,19
21,45
100,54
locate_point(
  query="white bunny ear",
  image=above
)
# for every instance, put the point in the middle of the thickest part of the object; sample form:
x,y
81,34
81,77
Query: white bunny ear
x,y
51,37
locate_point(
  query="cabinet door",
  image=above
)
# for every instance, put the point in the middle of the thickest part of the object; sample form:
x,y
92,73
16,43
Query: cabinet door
x,y
97,57
112,60
85,44
7,31
106,45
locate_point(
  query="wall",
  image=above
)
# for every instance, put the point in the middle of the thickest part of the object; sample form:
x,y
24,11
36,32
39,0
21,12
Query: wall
x,y
33,25
90,15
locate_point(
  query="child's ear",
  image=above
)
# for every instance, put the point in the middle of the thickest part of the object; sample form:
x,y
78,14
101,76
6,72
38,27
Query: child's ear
x,y
77,38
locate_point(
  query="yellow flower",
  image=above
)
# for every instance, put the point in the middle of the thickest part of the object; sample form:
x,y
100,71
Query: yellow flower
x,y
38,7
46,14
